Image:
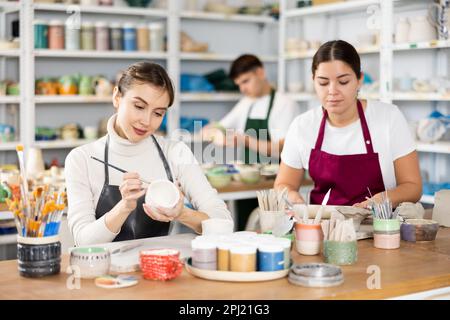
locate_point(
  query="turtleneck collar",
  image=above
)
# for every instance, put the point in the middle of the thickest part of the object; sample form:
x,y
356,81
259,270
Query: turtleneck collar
x,y
122,146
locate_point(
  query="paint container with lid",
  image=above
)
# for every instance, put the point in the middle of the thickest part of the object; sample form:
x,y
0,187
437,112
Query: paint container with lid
x,y
101,36
129,37
204,254
270,257
40,34
223,255
116,36
56,35
243,258
38,257
287,246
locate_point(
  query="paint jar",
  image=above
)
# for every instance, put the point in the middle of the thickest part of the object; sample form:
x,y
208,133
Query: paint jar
x,y
386,240
287,246
115,36
143,40
386,225
156,34
101,36
72,37
129,37
243,258
270,257
56,35
309,238
340,252
38,257
223,256
40,34
87,36
204,254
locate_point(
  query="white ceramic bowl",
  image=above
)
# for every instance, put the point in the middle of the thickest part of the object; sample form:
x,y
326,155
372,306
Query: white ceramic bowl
x,y
215,226
162,193
91,262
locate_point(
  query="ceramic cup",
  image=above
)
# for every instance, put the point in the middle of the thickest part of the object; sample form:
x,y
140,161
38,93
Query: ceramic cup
x,y
90,132
386,240
215,226
163,194
160,264
91,262
386,225
269,219
38,257
340,252
309,238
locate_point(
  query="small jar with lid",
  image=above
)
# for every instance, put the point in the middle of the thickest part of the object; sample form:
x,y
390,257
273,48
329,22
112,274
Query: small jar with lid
x,y
143,40
204,254
156,33
101,36
270,256
129,37
40,34
56,35
116,36
87,36
243,258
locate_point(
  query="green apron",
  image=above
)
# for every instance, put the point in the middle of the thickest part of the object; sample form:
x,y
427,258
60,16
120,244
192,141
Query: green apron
x,y
257,124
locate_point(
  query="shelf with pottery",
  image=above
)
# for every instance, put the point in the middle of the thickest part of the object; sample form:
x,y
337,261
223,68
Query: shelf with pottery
x,y
9,99
109,10
306,96
48,53
420,96
201,15
307,54
434,44
9,6
10,53
61,144
8,146
341,7
210,97
427,199
434,147
54,99
210,56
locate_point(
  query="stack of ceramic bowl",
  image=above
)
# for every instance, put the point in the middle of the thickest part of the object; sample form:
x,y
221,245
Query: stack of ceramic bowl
x,y
386,233
319,275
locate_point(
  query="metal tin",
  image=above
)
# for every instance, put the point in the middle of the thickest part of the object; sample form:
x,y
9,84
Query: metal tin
x,y
316,275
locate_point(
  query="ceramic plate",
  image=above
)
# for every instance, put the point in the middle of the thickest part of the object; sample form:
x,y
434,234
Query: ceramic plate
x,y
234,276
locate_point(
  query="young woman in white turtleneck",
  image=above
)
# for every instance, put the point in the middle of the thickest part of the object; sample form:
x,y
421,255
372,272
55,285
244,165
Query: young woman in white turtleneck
x,y
106,205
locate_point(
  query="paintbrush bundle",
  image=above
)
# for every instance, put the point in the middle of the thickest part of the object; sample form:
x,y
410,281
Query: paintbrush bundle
x,y
272,200
383,210
40,214
339,230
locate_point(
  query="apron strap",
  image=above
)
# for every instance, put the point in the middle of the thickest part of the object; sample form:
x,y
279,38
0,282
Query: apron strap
x,y
164,160
272,98
106,161
364,126
365,129
160,152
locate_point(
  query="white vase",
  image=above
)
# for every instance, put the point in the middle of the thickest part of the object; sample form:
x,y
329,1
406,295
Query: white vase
x,y
35,163
402,30
421,30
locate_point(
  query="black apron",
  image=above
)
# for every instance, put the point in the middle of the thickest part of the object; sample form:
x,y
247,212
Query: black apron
x,y
138,224
257,124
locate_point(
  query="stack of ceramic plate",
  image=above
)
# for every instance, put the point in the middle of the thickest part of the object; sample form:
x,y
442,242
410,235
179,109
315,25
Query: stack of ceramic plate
x,y
316,275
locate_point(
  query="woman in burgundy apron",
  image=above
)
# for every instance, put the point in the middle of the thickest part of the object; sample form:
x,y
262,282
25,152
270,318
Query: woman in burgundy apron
x,y
337,77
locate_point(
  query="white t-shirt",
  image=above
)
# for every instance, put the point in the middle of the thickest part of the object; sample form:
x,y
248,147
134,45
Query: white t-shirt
x,y
283,111
85,178
389,131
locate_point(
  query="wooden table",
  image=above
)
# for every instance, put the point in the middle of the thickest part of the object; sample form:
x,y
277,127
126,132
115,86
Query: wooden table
x,y
413,268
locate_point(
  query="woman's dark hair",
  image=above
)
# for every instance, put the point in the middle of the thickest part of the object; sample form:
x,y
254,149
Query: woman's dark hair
x,y
337,50
146,73
244,64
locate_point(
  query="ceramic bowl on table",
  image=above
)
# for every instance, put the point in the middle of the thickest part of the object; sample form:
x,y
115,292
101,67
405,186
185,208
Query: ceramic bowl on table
x,y
419,230
92,261
249,175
